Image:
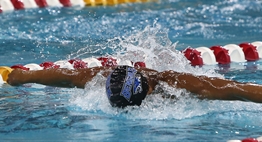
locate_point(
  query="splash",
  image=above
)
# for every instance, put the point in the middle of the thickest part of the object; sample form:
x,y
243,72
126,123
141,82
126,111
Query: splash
x,y
164,104
153,46
158,106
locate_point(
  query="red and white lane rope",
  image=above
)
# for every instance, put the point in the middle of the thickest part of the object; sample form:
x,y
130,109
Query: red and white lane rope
x,y
69,64
11,5
79,63
197,56
259,139
224,54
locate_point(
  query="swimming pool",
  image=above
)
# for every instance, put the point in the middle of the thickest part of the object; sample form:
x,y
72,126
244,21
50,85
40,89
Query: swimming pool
x,y
37,112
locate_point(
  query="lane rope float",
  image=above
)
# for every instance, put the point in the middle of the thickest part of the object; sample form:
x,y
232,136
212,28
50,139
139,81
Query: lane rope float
x,y
69,64
4,71
11,5
224,54
197,57
259,139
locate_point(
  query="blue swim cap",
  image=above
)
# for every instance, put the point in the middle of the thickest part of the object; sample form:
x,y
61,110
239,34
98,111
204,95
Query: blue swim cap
x,y
126,86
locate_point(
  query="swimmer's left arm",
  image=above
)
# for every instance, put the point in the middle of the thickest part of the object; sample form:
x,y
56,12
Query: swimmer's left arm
x,y
213,88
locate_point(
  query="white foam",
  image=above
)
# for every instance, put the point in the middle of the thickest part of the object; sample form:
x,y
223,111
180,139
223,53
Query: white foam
x,y
124,62
145,46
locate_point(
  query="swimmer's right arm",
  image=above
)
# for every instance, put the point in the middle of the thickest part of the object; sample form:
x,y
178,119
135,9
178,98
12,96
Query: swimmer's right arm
x,y
56,77
213,88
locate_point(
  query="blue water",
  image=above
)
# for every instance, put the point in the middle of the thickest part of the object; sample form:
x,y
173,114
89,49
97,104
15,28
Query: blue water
x,y
35,112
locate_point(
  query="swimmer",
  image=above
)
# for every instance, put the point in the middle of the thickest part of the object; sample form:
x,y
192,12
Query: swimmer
x,y
127,85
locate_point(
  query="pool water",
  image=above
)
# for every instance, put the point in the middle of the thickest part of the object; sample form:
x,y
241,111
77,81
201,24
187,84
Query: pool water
x,y
155,32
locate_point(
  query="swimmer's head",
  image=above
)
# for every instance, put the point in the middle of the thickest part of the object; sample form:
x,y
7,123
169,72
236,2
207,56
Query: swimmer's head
x,y
126,86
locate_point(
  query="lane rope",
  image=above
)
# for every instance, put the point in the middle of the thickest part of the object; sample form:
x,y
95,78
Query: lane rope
x,y
11,5
259,139
196,56
69,64
224,54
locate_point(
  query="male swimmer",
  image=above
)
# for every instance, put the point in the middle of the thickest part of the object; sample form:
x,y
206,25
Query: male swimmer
x,y
127,85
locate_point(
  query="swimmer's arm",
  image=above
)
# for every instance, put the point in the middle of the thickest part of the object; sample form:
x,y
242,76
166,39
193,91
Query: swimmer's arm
x,y
56,77
213,88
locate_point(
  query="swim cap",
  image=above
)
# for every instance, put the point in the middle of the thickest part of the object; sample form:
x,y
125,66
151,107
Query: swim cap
x,y
126,86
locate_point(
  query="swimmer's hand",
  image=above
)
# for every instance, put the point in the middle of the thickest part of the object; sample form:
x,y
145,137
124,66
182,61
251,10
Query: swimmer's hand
x,y
16,77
